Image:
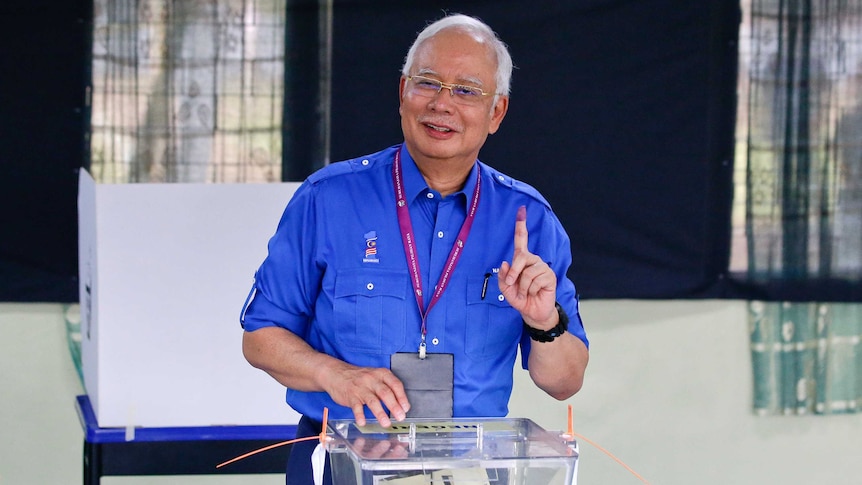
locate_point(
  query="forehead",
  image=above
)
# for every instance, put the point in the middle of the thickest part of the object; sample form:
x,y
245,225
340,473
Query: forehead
x,y
457,55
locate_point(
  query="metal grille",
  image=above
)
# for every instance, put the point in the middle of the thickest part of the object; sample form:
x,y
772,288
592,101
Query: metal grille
x,y
187,91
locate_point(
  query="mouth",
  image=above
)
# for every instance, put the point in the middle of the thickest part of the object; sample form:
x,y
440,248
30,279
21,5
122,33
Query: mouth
x,y
439,127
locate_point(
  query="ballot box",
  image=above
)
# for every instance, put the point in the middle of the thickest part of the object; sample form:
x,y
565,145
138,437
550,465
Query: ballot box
x,y
458,451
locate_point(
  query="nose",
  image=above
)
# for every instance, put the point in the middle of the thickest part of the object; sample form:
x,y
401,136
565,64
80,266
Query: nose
x,y
450,88
441,102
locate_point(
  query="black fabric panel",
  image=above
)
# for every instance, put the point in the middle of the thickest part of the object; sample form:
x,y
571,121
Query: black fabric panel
x,y
44,62
622,115
194,457
302,145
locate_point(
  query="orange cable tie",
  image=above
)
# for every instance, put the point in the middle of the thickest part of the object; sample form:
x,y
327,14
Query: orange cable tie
x,y
596,445
570,432
321,437
265,448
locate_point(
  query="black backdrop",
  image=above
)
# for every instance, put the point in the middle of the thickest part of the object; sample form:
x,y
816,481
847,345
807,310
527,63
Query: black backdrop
x,y
44,66
622,114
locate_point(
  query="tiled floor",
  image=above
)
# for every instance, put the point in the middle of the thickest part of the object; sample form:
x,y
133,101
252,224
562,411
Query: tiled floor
x,y
40,436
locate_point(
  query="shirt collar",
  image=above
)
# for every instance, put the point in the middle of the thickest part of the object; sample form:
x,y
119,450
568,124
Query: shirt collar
x,y
415,185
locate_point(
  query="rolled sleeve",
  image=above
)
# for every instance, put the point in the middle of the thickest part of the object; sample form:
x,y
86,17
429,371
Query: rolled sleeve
x,y
285,285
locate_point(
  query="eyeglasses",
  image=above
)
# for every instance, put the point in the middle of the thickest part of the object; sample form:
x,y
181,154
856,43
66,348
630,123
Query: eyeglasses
x,y
428,87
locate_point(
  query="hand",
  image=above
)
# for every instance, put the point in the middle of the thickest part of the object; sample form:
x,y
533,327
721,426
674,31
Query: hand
x,y
529,284
357,387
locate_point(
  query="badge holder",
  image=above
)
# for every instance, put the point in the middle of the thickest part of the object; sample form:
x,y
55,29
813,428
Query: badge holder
x,y
428,383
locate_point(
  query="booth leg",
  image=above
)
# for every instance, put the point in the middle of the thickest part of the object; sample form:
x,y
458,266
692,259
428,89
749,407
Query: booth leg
x,y
92,463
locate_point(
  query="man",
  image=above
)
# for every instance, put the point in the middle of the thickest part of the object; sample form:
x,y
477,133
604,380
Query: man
x,y
411,251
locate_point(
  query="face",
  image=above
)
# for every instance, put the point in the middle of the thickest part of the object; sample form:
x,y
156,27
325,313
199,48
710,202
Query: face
x,y
437,128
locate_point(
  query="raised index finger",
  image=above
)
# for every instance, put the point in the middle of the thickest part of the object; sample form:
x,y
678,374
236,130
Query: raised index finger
x,y
521,229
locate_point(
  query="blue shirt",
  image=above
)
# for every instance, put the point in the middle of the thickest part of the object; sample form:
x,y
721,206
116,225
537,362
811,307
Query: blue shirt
x,y
336,275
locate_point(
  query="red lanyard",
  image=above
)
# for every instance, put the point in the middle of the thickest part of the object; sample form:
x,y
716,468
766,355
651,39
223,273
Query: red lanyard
x,y
409,240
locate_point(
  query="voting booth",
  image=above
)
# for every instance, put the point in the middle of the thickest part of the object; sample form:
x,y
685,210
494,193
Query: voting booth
x,y
164,271
460,451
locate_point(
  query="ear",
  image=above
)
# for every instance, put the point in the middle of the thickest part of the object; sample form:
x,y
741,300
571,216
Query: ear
x,y
498,112
401,84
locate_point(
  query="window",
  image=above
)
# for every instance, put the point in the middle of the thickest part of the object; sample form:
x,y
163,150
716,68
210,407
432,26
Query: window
x,y
187,91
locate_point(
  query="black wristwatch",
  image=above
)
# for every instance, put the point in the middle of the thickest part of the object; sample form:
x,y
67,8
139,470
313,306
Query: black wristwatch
x,y
550,335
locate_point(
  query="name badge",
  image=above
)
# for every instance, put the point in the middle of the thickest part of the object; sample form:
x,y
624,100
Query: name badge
x,y
428,383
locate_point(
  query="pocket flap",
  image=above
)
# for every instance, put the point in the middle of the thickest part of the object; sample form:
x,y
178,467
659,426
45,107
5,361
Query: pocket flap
x,y
371,282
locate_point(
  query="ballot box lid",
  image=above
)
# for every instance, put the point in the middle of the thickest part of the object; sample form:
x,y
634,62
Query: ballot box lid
x,y
434,443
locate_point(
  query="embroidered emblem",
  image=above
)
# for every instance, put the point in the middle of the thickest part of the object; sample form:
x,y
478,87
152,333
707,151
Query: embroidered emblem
x,y
370,248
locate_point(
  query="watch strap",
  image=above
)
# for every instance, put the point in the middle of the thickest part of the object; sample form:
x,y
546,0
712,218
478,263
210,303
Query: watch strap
x,y
551,334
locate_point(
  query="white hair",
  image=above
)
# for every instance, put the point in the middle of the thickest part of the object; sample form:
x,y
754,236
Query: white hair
x,y
503,76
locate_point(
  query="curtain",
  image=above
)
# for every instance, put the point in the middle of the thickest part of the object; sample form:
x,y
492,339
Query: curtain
x,y
798,203
806,357
187,91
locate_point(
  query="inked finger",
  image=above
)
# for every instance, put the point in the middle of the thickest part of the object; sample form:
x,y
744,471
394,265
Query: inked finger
x,y
520,244
521,235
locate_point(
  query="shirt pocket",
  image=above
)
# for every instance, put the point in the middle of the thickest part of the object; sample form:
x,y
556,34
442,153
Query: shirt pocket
x,y
493,326
369,309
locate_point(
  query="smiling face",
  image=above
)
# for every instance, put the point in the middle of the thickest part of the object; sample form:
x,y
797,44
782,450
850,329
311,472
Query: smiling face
x,y
439,131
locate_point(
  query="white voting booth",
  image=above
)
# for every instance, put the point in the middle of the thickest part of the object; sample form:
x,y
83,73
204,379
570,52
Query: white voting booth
x,y
164,272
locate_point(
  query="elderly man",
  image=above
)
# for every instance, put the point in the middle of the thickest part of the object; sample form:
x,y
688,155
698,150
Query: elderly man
x,y
419,261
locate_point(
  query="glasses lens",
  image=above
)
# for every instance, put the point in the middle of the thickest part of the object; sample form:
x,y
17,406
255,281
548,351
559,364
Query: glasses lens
x,y
429,87
426,85
467,92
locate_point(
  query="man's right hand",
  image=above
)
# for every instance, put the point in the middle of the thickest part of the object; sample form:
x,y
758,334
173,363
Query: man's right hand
x,y
357,387
294,364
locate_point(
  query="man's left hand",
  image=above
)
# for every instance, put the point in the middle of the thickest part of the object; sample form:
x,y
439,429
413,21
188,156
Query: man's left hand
x,y
528,283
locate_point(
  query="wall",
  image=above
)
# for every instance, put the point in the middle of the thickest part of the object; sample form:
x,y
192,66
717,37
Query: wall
x,y
668,391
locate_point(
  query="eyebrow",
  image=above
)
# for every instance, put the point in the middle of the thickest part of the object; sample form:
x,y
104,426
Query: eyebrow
x,y
471,81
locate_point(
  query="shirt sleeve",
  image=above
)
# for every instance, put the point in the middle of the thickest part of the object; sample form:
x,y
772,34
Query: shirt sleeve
x,y
286,284
555,247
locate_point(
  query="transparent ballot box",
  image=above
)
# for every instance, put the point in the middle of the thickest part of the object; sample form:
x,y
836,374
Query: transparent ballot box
x,y
456,451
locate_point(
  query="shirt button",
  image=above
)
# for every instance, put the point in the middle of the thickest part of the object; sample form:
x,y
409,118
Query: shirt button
x,y
499,297
430,195
435,341
502,179
440,234
370,286
365,162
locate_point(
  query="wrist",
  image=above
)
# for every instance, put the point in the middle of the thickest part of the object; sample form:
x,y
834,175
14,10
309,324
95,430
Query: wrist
x,y
551,321
548,335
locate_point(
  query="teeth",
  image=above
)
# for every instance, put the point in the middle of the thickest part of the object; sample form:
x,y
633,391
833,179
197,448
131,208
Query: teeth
x,y
440,128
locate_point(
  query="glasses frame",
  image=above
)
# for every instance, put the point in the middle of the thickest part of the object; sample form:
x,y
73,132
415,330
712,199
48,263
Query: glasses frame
x,y
451,87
